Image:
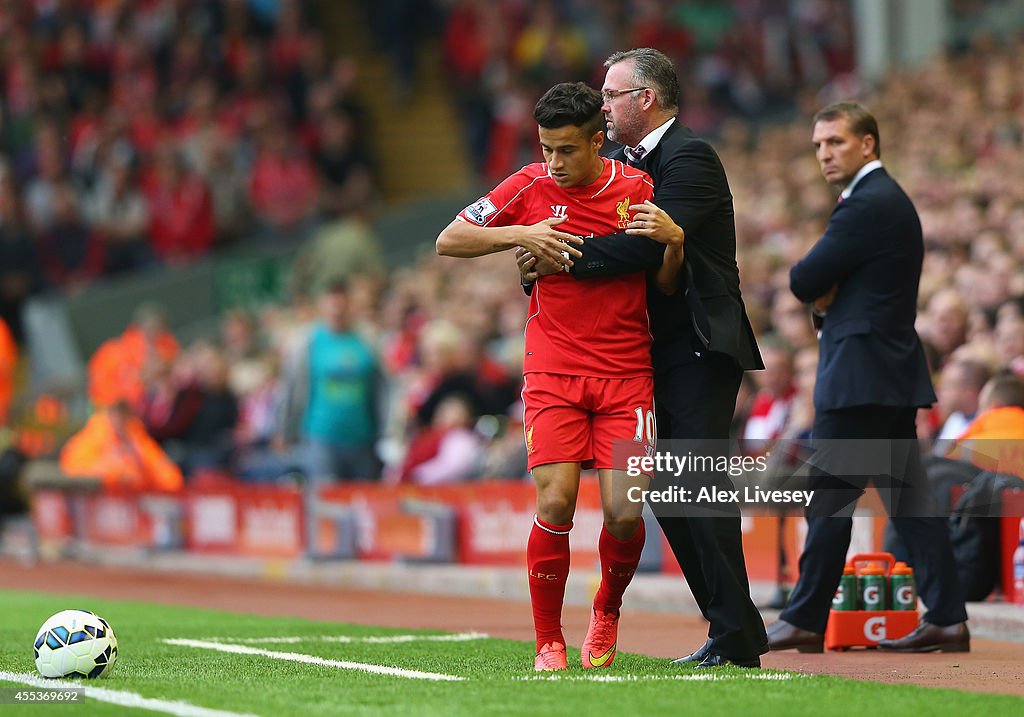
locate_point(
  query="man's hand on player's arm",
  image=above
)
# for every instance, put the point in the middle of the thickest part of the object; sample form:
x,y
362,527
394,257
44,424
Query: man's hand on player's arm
x,y
466,240
654,223
649,221
548,245
530,269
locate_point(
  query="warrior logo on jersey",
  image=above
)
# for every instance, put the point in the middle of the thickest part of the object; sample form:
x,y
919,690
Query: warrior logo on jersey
x,y
558,211
480,210
622,208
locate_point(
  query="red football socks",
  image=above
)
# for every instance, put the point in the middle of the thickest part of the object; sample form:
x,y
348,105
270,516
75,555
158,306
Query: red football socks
x,y
619,559
547,557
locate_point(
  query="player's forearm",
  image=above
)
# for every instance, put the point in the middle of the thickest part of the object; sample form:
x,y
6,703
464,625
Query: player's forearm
x,y
462,240
667,278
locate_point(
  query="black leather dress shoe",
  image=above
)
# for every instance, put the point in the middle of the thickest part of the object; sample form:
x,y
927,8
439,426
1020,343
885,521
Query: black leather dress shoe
x,y
713,660
697,655
931,638
784,636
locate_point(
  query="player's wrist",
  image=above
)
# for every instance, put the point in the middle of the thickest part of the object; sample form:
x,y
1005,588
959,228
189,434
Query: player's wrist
x,y
673,252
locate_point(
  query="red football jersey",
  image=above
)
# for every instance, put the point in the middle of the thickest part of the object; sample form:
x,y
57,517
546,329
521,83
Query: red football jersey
x,y
594,327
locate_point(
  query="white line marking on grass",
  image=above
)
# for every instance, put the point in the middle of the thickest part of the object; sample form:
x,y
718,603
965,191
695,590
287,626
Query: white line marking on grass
x,y
702,677
119,697
369,640
313,660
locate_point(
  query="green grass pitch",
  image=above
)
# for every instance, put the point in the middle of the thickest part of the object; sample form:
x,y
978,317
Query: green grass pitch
x,y
496,675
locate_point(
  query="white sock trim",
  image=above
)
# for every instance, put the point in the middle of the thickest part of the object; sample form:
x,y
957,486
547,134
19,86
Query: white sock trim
x,y
536,521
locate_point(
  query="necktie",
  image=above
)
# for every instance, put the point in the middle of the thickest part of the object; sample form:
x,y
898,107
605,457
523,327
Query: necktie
x,y
634,155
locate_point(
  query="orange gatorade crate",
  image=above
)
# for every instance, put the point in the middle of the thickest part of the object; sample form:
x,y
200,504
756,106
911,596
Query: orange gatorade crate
x,y
869,580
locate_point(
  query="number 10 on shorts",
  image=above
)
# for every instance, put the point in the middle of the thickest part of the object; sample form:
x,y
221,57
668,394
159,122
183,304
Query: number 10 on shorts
x,y
646,427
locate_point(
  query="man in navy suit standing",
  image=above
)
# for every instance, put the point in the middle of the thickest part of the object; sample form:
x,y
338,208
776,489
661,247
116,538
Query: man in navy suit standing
x,y
862,277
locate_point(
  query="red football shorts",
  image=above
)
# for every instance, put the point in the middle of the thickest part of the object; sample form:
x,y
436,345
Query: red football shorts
x,y
598,422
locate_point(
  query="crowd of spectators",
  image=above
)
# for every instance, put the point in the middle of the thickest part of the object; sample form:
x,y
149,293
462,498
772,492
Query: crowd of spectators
x,y
438,344
410,378
746,58
136,134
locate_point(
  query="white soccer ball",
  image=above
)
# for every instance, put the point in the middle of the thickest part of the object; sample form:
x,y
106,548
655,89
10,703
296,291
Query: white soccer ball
x,y
75,643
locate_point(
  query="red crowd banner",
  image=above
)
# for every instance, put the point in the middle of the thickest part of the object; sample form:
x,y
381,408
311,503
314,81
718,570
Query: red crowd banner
x,y
375,512
270,521
211,520
110,517
51,514
479,523
497,519
493,520
114,518
252,520
1011,524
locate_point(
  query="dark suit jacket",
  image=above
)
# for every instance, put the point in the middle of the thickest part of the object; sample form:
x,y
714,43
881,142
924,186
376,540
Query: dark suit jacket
x,y
708,314
873,249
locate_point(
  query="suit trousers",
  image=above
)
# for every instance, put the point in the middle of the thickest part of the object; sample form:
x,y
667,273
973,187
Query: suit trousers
x,y
697,401
908,500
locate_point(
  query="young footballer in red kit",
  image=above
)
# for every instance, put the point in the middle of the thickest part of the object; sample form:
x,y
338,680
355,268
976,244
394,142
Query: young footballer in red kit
x,y
588,387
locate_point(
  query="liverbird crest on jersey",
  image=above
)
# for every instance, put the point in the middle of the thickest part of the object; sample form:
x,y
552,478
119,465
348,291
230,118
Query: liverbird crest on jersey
x,y
622,208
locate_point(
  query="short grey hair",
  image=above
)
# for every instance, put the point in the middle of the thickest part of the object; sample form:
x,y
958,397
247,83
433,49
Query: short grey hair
x,y
652,69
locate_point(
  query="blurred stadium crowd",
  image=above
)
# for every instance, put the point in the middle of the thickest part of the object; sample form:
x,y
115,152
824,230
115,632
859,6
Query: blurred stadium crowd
x,y
143,134
748,59
140,135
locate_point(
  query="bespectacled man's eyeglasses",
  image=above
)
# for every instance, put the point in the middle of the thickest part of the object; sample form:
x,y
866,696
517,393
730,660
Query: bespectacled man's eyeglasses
x,y
609,95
